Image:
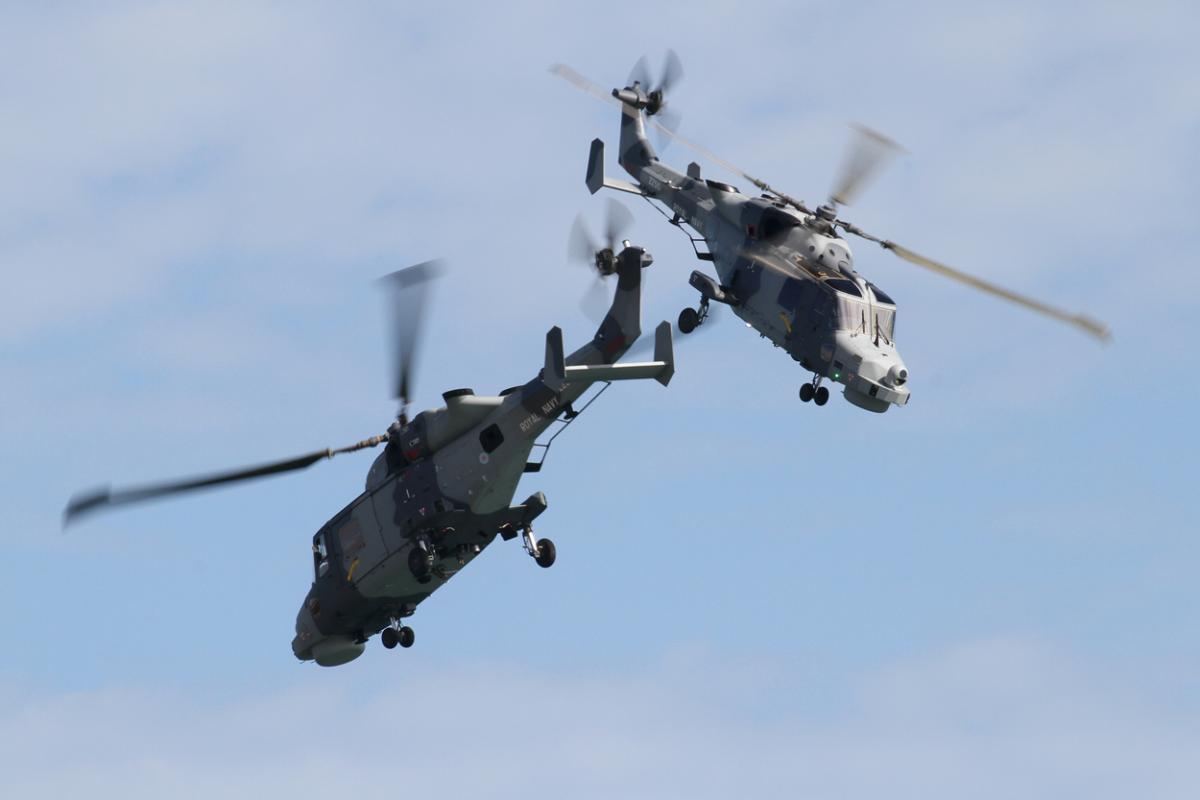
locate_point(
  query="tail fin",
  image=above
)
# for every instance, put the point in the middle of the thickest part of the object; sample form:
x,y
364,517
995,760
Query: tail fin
x,y
634,150
595,173
622,324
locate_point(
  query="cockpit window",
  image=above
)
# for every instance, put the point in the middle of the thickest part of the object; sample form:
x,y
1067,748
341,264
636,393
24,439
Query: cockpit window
x,y
320,555
845,286
885,322
852,314
775,223
882,296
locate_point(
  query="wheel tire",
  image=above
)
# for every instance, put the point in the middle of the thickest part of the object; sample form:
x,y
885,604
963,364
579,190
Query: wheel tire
x,y
806,392
689,318
545,553
389,638
822,396
407,637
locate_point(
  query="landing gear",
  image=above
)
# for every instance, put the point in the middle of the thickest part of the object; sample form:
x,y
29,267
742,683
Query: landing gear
x,y
691,318
390,638
397,634
814,391
542,550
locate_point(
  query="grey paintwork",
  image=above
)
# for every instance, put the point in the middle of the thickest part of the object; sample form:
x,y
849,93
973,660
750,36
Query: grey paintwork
x,y
787,274
443,488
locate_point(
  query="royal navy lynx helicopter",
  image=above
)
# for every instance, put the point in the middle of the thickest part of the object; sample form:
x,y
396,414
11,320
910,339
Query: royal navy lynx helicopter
x,y
782,267
442,489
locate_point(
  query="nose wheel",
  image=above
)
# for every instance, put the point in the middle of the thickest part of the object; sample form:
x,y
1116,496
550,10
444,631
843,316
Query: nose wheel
x,y
692,318
814,391
542,550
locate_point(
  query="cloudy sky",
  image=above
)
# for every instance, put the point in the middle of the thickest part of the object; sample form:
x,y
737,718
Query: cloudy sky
x,y
989,593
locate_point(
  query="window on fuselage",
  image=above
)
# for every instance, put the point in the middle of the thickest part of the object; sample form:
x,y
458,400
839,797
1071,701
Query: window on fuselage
x,y
320,555
885,321
776,224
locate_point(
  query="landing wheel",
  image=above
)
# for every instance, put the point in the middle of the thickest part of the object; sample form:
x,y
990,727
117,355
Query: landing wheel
x,y
406,637
545,553
807,391
689,318
822,396
389,637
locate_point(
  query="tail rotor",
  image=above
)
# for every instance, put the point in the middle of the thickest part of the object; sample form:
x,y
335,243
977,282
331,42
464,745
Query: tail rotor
x,y
599,255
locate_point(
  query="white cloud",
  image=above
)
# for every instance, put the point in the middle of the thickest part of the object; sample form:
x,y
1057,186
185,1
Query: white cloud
x,y
995,718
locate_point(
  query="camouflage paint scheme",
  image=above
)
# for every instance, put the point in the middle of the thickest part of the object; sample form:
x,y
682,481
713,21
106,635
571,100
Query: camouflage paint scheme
x,y
789,275
442,490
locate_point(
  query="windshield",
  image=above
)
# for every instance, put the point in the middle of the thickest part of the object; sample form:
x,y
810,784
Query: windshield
x,y
852,313
885,322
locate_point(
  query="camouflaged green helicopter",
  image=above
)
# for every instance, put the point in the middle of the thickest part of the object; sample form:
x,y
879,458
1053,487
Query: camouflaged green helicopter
x,y
442,489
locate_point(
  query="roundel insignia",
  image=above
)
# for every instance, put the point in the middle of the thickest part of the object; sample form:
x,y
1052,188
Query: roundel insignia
x,y
483,458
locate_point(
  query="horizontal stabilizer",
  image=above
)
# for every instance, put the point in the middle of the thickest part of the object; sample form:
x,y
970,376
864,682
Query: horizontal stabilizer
x,y
595,173
556,374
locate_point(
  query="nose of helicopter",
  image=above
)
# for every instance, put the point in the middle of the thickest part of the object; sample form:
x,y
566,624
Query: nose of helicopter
x,y
875,376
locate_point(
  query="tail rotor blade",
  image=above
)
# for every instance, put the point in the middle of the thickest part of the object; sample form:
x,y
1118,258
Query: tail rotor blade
x,y
617,222
595,300
580,244
640,74
672,72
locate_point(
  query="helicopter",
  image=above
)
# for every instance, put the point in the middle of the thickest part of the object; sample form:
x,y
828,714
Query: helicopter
x,y
442,489
783,268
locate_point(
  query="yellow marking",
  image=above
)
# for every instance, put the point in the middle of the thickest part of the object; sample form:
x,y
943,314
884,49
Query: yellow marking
x,y
353,566
786,322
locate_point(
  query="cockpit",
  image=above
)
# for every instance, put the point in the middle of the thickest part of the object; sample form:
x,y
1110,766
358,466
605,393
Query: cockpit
x,y
864,308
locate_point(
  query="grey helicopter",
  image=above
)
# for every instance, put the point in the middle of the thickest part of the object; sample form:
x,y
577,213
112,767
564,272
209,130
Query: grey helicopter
x,y
783,268
442,489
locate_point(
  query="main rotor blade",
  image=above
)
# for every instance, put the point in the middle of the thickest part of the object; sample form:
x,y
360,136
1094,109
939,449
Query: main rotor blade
x,y
1081,321
407,290
868,152
579,82
95,500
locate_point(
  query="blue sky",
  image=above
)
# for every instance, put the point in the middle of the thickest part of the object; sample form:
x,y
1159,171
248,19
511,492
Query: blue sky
x,y
990,592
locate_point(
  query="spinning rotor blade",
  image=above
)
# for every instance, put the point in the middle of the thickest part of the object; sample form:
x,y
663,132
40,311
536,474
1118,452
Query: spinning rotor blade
x,y
672,71
1083,322
640,74
868,152
617,222
584,249
407,290
580,244
579,82
95,500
